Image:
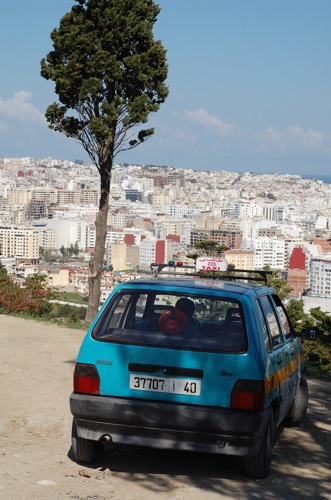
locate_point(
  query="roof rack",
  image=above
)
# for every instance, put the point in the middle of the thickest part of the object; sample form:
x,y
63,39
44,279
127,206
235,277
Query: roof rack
x,y
179,270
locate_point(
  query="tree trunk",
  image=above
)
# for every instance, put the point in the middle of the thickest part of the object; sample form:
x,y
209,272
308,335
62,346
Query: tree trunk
x,y
97,259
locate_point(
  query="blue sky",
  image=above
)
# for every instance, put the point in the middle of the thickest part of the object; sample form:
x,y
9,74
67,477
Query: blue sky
x,y
249,82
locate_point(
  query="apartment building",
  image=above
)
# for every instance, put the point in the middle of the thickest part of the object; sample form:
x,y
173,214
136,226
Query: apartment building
x,y
6,185
246,208
37,209
270,252
12,214
324,243
171,226
155,250
69,231
19,241
113,235
320,276
297,275
19,196
90,196
57,277
230,239
241,259
119,218
68,197
46,236
116,255
47,195
268,211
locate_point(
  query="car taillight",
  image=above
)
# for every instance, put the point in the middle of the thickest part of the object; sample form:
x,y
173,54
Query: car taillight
x,y
248,395
86,379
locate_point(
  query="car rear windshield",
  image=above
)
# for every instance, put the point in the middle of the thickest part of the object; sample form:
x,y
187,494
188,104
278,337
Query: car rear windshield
x,y
173,321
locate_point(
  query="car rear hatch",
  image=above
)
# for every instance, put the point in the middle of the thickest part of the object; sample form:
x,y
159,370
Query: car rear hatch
x,y
150,345
173,375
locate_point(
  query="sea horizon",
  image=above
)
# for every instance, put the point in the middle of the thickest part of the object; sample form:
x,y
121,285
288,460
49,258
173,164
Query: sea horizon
x,y
325,178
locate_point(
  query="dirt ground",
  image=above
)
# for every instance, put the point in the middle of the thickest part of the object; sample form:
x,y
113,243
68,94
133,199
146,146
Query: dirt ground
x,y
36,366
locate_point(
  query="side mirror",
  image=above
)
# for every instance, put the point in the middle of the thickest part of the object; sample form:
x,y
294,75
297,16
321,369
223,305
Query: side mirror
x,y
308,334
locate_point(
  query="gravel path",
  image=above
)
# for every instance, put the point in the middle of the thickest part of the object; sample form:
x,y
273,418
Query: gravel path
x,y
36,366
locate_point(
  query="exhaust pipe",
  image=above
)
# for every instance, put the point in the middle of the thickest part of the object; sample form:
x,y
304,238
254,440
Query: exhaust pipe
x,y
105,438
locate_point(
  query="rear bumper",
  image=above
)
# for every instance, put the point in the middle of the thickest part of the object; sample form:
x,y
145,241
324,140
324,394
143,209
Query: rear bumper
x,y
169,426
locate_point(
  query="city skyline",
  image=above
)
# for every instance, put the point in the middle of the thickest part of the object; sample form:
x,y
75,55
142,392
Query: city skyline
x,y
248,86
159,214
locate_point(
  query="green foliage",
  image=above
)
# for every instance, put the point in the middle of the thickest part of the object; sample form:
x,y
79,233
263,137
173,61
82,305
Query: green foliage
x,y
3,273
70,251
47,255
109,71
67,314
318,358
72,297
207,247
317,353
33,299
278,283
299,318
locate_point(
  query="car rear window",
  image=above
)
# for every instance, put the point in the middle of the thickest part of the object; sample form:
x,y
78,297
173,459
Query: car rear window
x,y
173,321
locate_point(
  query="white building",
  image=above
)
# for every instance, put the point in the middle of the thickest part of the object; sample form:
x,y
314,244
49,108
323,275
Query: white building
x,y
69,232
119,218
250,227
6,185
178,227
46,236
245,208
154,250
114,235
270,252
320,276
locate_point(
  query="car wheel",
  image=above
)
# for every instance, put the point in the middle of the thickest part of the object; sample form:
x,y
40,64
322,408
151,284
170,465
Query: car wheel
x,y
300,404
85,450
258,467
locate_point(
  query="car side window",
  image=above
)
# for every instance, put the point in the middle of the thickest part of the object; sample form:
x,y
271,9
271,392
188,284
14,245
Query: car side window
x,y
272,321
285,320
264,328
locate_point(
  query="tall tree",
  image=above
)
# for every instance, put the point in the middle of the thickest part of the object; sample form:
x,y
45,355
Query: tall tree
x,y
109,75
207,247
278,283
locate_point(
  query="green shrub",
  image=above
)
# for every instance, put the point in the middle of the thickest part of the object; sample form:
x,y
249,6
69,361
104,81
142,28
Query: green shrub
x,y
318,352
33,299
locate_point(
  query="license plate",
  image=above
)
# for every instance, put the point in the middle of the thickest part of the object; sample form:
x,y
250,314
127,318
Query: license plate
x,y
166,385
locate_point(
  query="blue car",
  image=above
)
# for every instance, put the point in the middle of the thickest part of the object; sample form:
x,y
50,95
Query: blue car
x,y
193,360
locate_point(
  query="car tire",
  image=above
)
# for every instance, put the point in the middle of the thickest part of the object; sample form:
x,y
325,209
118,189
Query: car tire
x,y
258,467
85,450
300,404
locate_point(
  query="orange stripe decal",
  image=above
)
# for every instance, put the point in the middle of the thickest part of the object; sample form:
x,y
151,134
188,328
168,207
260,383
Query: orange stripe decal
x,y
282,374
